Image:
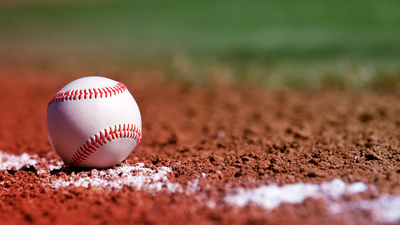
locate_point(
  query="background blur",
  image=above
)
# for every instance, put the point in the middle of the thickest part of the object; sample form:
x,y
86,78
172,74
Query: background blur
x,y
300,44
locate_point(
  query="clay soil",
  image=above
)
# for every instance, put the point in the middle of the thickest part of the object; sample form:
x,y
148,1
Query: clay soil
x,y
237,136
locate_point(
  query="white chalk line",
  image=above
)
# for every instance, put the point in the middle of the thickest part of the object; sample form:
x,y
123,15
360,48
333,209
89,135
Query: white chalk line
x,y
134,176
385,209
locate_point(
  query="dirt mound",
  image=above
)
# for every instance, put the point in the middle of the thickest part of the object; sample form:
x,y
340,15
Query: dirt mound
x,y
213,142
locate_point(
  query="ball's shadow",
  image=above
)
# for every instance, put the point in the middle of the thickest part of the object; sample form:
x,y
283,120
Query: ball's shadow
x,y
68,170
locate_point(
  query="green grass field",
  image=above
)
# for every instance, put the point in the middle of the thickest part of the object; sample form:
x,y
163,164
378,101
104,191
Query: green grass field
x,y
309,43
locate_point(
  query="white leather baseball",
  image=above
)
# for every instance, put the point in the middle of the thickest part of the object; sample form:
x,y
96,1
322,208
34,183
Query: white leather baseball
x,y
93,122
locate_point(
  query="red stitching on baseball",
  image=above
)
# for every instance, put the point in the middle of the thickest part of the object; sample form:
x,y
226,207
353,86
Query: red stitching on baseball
x,y
123,131
88,93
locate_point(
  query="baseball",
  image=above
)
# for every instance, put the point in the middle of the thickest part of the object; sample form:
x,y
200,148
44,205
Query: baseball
x,y
93,122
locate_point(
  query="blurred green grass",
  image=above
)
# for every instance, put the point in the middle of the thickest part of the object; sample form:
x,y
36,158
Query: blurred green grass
x,y
302,44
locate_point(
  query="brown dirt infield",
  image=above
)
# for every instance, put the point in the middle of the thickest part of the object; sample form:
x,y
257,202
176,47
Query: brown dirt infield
x,y
226,137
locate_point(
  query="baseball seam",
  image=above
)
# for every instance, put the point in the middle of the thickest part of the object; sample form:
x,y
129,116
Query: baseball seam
x,y
102,92
87,149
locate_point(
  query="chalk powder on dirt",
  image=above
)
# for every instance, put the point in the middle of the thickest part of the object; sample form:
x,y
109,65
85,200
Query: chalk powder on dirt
x,y
384,209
